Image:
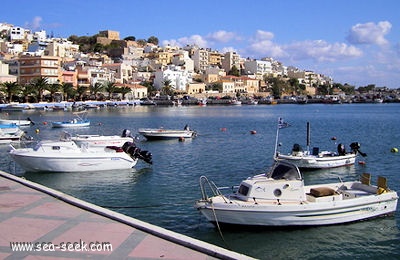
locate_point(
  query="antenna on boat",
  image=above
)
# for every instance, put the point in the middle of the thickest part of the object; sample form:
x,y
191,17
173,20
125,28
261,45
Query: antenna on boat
x,y
308,136
276,138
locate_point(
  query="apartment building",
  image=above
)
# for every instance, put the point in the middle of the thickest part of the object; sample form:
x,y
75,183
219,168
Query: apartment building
x,y
200,59
258,67
32,67
229,60
178,78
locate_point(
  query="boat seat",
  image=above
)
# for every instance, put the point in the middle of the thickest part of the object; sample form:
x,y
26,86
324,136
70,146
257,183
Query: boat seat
x,y
322,191
366,178
382,185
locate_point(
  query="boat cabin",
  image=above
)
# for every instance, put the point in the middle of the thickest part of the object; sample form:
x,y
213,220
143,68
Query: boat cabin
x,y
283,183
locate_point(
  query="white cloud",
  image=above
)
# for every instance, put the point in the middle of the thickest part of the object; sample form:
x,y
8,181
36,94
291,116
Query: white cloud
x,y
369,33
191,40
262,45
221,36
35,24
320,50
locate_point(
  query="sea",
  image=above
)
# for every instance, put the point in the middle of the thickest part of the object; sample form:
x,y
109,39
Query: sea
x,y
233,143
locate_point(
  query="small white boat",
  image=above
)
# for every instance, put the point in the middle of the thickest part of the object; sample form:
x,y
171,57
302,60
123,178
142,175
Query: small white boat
x,y
67,156
99,140
6,138
316,159
80,120
280,198
161,133
9,128
18,122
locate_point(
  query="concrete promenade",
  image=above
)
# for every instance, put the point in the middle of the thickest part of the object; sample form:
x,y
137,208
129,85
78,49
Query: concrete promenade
x,y
37,222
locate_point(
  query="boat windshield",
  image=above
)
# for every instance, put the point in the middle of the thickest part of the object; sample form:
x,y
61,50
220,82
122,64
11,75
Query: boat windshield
x,y
285,171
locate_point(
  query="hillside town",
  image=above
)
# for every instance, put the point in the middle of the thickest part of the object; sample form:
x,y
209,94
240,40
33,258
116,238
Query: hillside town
x,y
35,67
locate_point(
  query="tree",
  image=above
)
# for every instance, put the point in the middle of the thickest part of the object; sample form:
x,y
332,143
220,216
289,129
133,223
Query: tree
x,y
28,90
67,89
80,91
124,91
130,38
53,88
10,88
167,89
110,88
234,71
153,40
96,88
40,85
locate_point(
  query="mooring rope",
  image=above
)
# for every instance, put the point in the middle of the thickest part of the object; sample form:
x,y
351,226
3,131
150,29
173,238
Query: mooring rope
x,y
218,227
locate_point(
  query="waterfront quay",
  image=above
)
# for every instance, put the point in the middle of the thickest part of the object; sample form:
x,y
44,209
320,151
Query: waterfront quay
x,y
37,222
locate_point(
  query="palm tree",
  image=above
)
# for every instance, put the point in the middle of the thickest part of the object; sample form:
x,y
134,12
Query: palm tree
x,y
80,91
40,84
124,91
54,88
67,89
96,88
110,88
168,89
27,90
11,88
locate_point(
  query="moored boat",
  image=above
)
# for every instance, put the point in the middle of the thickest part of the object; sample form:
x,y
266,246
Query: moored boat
x,y
161,133
67,156
80,120
280,198
99,140
317,159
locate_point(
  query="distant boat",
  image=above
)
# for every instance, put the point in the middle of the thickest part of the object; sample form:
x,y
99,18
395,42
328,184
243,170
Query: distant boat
x,y
162,134
99,140
18,122
318,159
80,120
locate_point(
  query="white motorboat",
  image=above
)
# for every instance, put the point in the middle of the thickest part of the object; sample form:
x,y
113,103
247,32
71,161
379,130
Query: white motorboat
x,y
161,133
18,135
18,122
99,140
280,198
67,156
316,159
80,120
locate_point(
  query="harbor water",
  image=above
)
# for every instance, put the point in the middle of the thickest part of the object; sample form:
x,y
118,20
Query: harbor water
x,y
233,143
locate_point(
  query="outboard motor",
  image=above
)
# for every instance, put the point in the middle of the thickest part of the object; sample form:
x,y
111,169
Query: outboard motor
x,y
135,152
341,149
355,148
126,133
296,148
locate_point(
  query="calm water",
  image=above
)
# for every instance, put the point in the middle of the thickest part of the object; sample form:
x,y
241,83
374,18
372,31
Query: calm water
x,y
164,193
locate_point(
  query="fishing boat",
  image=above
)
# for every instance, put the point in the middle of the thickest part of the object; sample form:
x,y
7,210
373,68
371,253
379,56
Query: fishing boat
x,y
163,134
67,156
317,159
280,198
79,120
99,140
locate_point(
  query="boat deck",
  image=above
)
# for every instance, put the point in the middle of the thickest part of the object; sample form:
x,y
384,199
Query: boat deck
x,y
53,225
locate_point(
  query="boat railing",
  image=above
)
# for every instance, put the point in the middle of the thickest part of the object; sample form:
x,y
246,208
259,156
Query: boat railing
x,y
207,185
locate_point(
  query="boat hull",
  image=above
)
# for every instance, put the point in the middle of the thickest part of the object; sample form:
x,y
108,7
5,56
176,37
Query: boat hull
x,y
70,124
32,161
161,134
315,162
306,214
101,141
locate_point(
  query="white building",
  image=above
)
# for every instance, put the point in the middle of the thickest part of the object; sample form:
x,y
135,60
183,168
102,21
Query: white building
x,y
17,33
178,78
258,67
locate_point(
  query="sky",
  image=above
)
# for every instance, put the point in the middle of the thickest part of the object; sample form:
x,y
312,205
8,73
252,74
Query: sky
x,y
355,42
